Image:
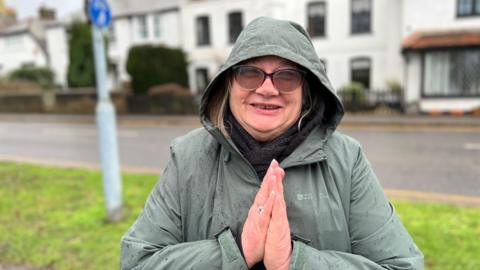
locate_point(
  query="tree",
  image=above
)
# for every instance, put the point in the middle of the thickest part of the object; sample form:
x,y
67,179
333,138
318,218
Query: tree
x,y
81,66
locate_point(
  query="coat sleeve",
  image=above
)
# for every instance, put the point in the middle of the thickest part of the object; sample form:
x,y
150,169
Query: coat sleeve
x,y
155,240
378,238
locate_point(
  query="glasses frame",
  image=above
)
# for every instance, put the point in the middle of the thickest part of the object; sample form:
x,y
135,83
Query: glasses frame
x,y
271,76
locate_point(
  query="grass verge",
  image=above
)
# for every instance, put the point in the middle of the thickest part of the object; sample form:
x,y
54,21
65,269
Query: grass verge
x,y
55,218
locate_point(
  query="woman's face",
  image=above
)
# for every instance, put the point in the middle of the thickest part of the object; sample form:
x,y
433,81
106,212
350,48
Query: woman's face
x,y
264,112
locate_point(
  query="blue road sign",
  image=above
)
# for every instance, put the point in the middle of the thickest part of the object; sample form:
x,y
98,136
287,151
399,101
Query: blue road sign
x,y
99,13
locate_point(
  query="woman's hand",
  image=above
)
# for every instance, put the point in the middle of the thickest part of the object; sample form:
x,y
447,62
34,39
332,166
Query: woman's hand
x,y
278,247
266,233
256,225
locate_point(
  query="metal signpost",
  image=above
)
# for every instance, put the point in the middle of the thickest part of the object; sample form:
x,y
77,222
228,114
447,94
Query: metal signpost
x,y
100,17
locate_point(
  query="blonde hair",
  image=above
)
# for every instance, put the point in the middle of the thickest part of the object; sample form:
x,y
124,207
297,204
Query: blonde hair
x,y
219,104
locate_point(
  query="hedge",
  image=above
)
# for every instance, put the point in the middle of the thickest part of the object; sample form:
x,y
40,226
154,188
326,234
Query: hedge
x,y
150,65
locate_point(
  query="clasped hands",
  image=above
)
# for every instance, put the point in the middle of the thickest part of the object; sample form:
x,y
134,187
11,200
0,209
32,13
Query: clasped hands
x,y
266,233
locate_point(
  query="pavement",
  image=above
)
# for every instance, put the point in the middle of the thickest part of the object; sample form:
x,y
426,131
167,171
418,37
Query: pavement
x,y
349,120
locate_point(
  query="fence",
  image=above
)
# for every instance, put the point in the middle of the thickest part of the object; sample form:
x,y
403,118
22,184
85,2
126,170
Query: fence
x,y
371,100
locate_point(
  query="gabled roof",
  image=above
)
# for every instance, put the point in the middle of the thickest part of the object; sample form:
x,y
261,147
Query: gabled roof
x,y
121,8
449,39
17,28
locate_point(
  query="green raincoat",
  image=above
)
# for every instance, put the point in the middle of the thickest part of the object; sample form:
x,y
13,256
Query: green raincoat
x,y
338,214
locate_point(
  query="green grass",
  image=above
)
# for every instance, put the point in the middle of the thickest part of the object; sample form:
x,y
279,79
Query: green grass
x,y
55,218
52,217
449,236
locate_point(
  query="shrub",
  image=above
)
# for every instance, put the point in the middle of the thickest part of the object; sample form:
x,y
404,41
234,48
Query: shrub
x,y
150,65
41,75
353,93
353,96
394,86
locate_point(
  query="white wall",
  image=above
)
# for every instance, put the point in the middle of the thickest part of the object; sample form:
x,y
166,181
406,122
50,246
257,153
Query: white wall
x,y
428,15
118,49
339,46
57,47
19,49
214,55
450,105
413,71
126,33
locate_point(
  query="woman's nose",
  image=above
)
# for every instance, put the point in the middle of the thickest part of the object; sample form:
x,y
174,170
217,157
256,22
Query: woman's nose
x,y
267,88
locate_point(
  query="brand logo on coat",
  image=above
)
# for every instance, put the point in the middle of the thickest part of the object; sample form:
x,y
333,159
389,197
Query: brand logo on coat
x,y
305,196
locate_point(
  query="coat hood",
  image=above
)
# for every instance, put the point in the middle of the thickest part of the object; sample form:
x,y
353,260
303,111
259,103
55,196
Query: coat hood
x,y
267,36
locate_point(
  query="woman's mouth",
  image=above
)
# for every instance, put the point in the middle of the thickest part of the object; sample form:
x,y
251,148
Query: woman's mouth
x,y
261,106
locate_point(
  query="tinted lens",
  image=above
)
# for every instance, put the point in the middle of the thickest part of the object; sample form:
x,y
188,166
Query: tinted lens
x,y
249,77
287,80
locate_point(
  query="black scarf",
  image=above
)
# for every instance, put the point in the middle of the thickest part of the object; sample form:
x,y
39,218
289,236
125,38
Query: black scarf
x,y
261,154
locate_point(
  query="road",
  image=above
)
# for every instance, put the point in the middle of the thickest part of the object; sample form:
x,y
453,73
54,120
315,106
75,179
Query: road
x,y
425,160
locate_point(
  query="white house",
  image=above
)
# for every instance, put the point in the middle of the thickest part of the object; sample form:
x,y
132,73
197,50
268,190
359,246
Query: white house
x,y
369,41
21,46
441,45
351,36
37,42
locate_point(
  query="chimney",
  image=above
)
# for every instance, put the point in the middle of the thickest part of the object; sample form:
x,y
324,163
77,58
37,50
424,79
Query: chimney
x,y
46,13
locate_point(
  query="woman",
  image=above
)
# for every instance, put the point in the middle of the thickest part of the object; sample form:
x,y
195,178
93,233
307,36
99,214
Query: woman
x,y
224,202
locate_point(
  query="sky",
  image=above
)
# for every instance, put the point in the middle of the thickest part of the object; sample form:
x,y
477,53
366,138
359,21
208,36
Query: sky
x,y
29,8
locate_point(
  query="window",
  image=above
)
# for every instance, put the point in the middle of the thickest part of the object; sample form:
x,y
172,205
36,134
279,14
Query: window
x,y
468,8
201,79
142,27
360,71
157,25
235,26
361,16
452,73
14,42
203,31
111,33
316,13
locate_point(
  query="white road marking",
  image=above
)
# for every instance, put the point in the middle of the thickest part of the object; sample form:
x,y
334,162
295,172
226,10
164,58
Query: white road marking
x,y
85,132
69,132
471,146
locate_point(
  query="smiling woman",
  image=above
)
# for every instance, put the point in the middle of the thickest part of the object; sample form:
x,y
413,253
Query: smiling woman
x,y
268,183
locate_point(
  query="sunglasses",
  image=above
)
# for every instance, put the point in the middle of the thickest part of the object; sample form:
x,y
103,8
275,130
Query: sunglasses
x,y
284,80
